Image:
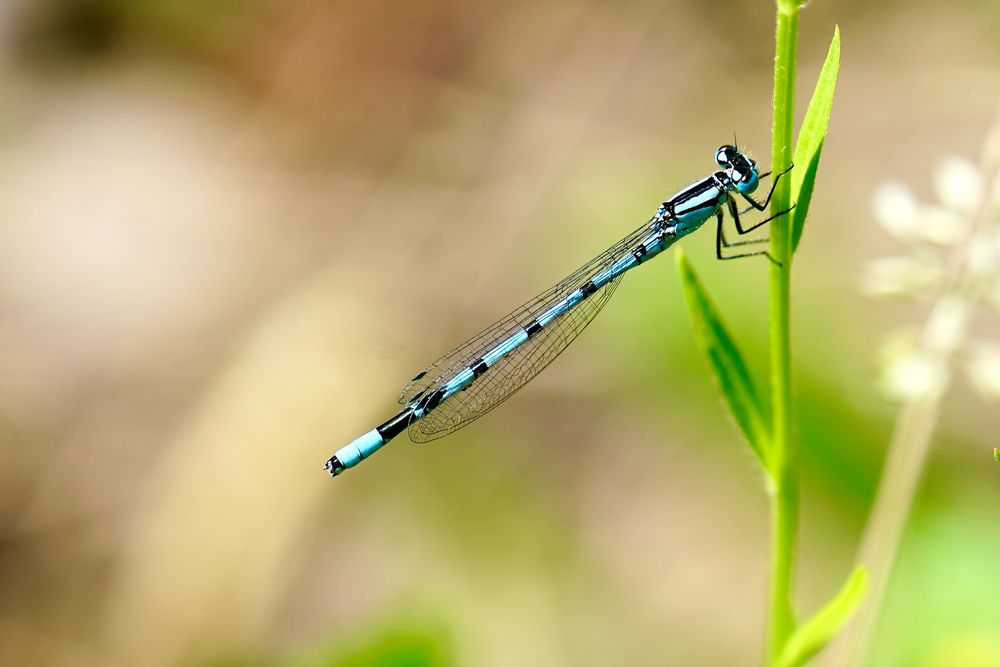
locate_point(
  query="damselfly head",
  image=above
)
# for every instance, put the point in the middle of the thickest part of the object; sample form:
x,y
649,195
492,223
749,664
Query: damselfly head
x,y
741,169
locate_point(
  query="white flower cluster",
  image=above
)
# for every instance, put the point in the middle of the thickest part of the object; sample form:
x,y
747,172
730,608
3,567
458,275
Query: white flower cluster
x,y
954,262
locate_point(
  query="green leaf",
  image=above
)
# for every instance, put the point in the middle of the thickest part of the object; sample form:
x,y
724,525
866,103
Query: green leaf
x,y
996,453
815,633
731,374
402,640
811,136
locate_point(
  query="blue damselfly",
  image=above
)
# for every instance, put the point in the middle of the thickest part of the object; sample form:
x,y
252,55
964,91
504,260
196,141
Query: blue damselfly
x,y
478,375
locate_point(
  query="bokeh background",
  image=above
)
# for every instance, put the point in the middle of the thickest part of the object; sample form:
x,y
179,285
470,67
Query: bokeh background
x,y
230,230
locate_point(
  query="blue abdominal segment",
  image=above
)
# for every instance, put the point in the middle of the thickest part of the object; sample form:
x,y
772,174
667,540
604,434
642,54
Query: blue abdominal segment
x,y
354,452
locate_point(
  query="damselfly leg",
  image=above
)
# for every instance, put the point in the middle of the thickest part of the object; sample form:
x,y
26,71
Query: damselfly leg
x,y
721,242
760,206
720,237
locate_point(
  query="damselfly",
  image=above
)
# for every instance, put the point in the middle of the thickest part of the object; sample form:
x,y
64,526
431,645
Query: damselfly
x,y
475,377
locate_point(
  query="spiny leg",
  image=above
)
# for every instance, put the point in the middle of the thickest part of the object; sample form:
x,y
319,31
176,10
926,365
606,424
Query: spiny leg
x,y
733,244
761,206
751,207
736,244
721,242
733,211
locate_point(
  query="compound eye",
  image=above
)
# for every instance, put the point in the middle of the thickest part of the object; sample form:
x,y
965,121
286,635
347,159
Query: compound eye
x,y
724,155
748,182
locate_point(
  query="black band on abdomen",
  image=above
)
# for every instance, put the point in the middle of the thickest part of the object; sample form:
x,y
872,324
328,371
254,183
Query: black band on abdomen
x,y
396,425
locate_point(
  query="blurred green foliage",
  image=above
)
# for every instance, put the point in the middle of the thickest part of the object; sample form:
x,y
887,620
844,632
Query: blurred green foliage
x,y
395,644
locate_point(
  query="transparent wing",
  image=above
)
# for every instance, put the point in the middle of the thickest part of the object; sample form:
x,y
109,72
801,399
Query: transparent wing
x,y
511,372
454,360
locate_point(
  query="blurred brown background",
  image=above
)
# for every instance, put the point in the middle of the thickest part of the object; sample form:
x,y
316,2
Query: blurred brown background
x,y
230,230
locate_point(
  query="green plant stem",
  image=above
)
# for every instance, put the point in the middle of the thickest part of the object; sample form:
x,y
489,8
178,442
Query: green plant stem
x,y
784,498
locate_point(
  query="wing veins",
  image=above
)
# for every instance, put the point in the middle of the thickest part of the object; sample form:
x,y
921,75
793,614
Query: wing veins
x,y
442,369
512,371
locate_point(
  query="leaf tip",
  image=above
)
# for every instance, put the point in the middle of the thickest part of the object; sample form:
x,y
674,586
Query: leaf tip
x,y
859,577
684,267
